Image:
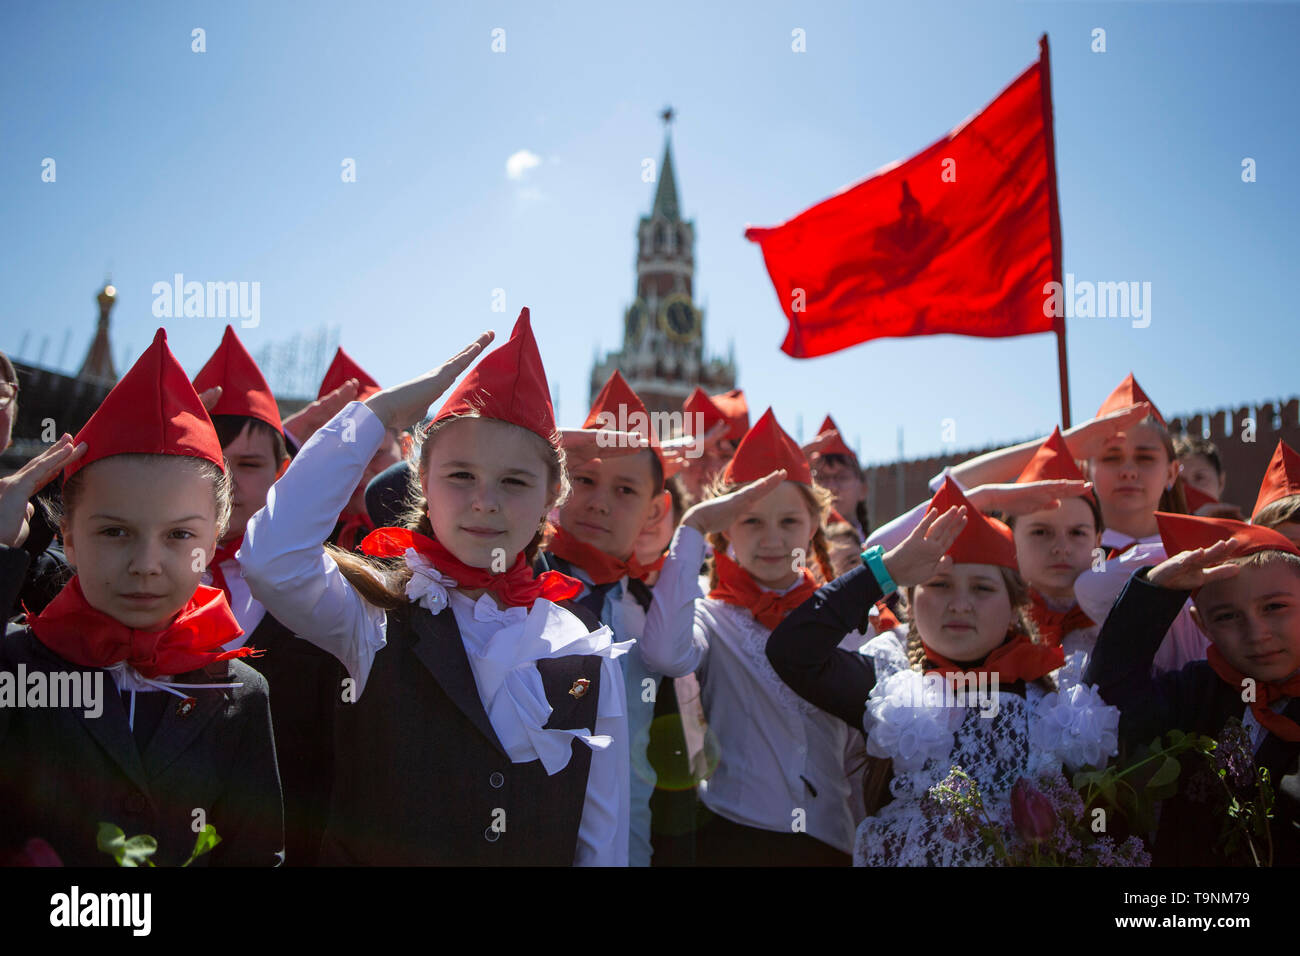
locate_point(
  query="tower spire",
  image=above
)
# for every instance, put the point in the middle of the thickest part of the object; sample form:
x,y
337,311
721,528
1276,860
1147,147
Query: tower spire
x,y
666,203
99,360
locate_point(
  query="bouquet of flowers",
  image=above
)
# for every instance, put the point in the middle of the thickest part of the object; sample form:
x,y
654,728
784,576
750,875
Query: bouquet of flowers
x,y
1052,821
1046,824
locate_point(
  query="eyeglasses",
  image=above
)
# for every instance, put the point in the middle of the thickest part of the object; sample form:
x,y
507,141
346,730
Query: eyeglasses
x,y
8,392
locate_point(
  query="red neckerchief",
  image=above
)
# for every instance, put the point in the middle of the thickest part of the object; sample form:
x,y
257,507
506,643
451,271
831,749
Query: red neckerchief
x,y
517,587
355,527
88,637
886,620
1054,625
224,552
1265,694
736,586
1116,552
602,568
1017,659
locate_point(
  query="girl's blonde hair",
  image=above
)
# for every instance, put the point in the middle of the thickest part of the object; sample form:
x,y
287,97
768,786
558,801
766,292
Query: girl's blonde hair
x,y
382,581
1278,512
818,500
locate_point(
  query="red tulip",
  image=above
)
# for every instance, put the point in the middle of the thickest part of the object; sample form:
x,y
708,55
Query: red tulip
x,y
1031,812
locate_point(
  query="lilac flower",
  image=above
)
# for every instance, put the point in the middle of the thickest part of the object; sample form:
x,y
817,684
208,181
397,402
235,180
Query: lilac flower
x,y
1104,848
1065,800
958,799
1134,852
1235,755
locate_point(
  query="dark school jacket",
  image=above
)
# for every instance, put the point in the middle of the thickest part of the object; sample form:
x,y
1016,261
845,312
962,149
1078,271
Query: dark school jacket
x,y
421,778
63,773
1195,700
305,683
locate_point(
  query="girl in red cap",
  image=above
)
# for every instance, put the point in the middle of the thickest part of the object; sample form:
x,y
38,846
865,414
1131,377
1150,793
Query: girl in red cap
x,y
1278,503
1244,583
483,718
1056,523
781,792
1134,471
183,732
837,469
971,688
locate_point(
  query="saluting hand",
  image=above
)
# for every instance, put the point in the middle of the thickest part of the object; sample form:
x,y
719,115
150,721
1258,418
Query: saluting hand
x,y
581,445
209,397
305,422
814,448
1087,439
923,553
16,489
1023,499
717,514
404,405
1190,570
682,454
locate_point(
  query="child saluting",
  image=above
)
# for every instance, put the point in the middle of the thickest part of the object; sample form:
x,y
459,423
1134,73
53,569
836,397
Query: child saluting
x,y
181,726
483,721
1244,584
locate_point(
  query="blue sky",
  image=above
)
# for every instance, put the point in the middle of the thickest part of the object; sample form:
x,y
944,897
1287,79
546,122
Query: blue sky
x,y
226,166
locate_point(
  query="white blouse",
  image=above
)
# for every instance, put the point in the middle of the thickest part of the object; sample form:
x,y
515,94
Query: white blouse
x,y
247,609
784,763
289,572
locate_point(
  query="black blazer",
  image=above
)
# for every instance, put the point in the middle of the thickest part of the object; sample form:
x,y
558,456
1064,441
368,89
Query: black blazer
x,y
305,683
62,773
1195,700
420,775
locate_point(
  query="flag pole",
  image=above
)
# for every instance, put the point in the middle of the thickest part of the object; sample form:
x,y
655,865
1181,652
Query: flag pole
x,y
1054,214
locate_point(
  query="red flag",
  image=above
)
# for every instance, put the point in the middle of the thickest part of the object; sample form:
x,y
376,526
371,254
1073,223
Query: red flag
x,y
960,238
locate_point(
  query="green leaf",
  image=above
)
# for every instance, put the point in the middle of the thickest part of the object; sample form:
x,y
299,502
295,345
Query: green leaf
x,y
137,850
1166,775
1085,778
111,840
206,840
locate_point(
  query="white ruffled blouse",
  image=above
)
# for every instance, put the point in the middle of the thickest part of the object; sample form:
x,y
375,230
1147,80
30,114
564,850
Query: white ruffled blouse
x,y
995,742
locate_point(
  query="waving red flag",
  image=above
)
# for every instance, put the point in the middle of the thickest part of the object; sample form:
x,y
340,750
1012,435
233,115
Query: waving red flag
x,y
960,238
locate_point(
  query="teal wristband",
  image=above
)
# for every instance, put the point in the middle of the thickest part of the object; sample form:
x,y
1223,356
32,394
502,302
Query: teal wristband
x,y
874,558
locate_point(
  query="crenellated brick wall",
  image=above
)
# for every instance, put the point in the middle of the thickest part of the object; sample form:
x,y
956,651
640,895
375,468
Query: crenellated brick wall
x,y
892,489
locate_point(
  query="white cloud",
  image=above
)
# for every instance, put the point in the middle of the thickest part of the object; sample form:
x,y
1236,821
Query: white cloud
x,y
520,162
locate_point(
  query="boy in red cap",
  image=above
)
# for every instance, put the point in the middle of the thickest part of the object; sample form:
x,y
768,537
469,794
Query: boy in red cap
x,y
484,719
612,502
1244,583
304,679
189,728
